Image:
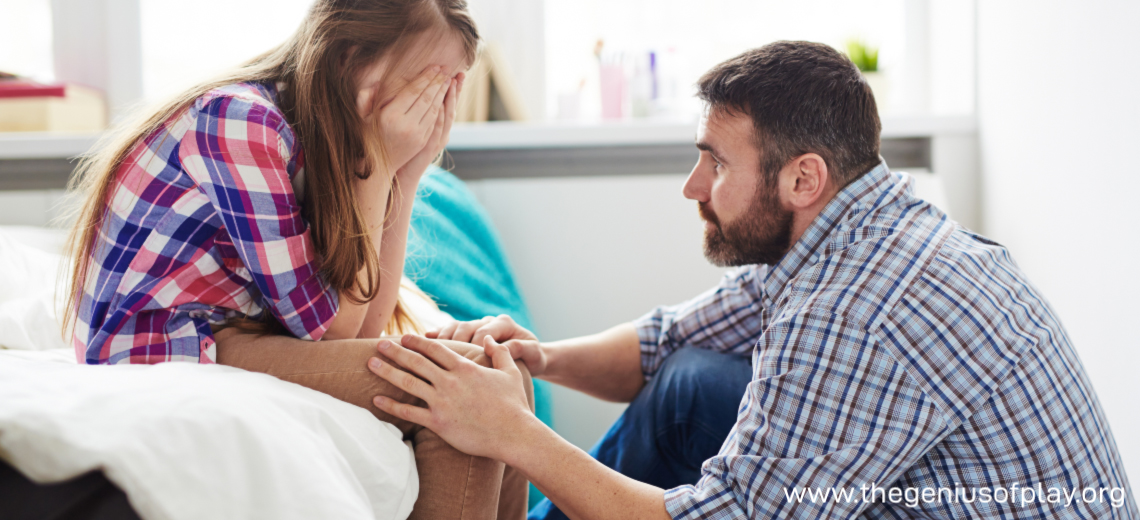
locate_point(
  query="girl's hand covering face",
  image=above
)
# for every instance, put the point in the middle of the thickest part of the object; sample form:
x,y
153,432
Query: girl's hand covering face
x,y
437,141
415,117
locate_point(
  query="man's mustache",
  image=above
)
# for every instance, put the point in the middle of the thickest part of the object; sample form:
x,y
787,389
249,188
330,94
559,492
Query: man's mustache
x,y
707,214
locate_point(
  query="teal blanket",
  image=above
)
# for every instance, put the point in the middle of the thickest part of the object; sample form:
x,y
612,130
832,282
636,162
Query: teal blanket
x,y
456,257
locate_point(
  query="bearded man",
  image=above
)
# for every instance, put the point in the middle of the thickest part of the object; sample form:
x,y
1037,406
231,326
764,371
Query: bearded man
x,y
869,358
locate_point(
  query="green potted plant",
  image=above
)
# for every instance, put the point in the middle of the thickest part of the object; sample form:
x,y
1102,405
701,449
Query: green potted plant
x,y
866,58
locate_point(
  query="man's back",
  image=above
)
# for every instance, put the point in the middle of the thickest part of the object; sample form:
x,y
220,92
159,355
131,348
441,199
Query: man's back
x,y
907,368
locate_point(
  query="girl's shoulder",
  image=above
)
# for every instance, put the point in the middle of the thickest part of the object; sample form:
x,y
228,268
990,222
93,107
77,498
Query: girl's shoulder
x,y
251,103
258,94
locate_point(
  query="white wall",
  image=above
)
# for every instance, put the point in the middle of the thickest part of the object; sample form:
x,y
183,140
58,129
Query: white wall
x,y
516,26
1057,100
96,43
42,208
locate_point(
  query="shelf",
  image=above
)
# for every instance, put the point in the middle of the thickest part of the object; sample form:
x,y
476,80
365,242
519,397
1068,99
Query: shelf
x,y
513,150
509,135
44,145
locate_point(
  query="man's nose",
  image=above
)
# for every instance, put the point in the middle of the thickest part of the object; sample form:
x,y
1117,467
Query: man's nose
x,y
695,187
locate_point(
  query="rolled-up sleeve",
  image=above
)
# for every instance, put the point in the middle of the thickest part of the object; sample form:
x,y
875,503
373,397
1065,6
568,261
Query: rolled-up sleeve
x,y
726,318
830,411
239,155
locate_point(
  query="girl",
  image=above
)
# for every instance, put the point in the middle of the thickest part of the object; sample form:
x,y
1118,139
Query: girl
x,y
277,200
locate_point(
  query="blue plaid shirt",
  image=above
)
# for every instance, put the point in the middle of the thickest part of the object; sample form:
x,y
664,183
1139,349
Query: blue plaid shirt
x,y
903,367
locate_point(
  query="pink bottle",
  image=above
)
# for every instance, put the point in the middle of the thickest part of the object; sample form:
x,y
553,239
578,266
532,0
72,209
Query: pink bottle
x,y
614,96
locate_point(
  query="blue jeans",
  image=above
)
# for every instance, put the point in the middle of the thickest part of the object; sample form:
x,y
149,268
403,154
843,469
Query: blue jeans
x,y
678,420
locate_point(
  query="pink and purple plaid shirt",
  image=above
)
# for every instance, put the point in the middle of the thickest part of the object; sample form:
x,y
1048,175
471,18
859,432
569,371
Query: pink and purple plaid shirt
x,y
203,225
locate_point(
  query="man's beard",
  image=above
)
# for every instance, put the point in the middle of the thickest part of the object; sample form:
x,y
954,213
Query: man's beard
x,y
762,235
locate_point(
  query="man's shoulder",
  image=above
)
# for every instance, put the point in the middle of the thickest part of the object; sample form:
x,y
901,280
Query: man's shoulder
x,y
869,263
966,305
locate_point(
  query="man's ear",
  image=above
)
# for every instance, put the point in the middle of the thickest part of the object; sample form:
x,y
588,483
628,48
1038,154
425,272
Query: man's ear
x,y
805,181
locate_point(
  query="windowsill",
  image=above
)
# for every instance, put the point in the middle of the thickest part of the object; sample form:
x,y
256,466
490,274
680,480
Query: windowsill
x,y
511,135
45,145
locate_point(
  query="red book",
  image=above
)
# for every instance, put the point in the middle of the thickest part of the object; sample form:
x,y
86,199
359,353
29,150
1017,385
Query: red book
x,y
19,88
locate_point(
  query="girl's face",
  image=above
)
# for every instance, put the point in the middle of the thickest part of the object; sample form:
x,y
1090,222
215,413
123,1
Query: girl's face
x,y
446,51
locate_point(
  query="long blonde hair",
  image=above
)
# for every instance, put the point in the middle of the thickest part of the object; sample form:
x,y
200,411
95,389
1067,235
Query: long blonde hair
x,y
317,67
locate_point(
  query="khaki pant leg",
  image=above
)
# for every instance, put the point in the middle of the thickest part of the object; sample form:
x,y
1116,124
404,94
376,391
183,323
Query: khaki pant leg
x,y
453,485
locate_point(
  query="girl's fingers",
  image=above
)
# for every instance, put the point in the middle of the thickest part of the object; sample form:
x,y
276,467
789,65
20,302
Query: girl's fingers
x,y
437,129
451,99
404,411
501,358
434,350
403,380
450,109
411,362
432,131
427,99
440,95
408,96
465,331
448,332
440,119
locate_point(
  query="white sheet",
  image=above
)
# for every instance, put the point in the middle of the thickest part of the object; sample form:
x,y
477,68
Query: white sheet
x,y
184,441
191,441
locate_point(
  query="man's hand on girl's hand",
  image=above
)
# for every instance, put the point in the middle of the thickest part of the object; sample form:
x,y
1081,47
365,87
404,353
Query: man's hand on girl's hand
x,y
478,410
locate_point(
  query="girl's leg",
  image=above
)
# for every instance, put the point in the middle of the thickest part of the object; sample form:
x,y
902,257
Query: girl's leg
x,y
453,485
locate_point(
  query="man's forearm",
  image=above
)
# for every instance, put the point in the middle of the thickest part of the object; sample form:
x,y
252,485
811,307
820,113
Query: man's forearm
x,y
580,486
605,365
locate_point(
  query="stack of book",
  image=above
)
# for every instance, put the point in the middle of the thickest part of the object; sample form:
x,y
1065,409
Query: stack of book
x,y
28,106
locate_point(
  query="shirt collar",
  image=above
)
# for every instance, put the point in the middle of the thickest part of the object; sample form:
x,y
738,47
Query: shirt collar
x,y
873,189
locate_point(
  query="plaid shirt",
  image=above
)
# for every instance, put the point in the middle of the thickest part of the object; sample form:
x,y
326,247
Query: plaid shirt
x,y
894,349
202,224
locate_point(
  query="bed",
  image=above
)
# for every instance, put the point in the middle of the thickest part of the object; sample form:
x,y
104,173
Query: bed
x,y
195,441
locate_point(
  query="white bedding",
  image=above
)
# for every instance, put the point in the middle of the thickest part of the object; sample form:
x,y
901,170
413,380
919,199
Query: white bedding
x,y
184,441
30,265
187,441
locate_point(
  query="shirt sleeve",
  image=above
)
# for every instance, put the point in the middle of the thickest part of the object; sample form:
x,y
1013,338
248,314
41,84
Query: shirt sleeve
x,y
239,155
726,318
830,416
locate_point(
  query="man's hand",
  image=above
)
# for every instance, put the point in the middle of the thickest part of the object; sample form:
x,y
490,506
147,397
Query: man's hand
x,y
521,343
476,409
484,412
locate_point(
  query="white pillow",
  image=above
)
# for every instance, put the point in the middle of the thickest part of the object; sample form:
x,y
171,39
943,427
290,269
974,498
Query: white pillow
x,y
29,309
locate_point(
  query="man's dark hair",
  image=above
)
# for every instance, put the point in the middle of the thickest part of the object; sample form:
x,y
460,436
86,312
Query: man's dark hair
x,y
803,97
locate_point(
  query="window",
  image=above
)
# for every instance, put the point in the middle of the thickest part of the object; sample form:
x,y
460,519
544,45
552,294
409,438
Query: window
x,y
25,38
690,37
185,42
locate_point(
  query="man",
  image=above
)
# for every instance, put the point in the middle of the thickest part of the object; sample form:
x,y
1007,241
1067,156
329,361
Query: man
x,y
902,366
